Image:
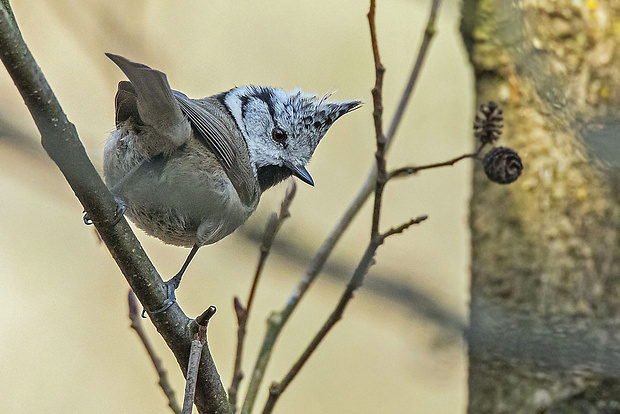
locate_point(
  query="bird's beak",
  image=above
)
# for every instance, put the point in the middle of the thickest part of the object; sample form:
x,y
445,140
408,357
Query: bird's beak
x,y
300,172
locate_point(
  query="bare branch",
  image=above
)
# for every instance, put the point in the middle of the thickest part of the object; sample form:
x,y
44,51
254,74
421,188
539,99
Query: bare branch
x,y
273,225
384,285
377,90
272,228
136,325
406,171
277,389
403,227
429,33
200,338
278,319
377,98
376,239
192,370
60,140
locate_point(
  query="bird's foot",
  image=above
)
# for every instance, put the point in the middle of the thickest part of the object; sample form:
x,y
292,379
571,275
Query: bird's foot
x,y
120,212
171,286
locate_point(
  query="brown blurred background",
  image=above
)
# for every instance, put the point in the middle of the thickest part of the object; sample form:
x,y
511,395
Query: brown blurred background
x,y
65,344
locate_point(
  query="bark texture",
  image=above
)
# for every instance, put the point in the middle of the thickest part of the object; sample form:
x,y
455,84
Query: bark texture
x,y
545,249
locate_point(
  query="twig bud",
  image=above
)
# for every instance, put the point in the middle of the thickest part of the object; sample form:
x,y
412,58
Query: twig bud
x,y
132,301
204,317
240,310
502,165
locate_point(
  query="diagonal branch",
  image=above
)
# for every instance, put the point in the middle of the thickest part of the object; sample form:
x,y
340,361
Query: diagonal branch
x,y
136,325
429,32
277,388
60,140
243,313
400,229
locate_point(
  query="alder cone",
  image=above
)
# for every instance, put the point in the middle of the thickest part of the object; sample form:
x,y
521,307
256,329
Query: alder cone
x,y
489,123
502,165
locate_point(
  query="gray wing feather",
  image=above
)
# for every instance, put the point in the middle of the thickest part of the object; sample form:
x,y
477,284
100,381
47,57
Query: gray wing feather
x,y
169,111
156,105
228,147
211,130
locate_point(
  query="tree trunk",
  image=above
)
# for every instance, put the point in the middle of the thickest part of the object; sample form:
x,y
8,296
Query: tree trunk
x,y
545,249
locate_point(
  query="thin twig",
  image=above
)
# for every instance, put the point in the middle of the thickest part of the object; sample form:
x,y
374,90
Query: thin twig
x,y
377,98
384,285
429,33
402,227
192,369
277,389
192,374
241,313
273,225
278,319
136,325
406,171
193,364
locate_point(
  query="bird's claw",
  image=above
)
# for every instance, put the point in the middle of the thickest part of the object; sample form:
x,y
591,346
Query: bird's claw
x,y
171,287
120,212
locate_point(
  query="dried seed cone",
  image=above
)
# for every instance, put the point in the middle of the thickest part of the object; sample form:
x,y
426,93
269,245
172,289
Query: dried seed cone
x,y
502,165
489,123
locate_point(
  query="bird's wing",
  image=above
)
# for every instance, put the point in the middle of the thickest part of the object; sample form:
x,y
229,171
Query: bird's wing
x,y
229,148
150,96
211,130
151,101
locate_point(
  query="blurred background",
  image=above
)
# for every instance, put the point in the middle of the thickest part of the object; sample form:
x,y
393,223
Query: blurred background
x,y
65,342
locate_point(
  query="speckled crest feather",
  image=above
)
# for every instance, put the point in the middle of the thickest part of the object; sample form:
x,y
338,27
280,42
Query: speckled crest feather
x,y
305,118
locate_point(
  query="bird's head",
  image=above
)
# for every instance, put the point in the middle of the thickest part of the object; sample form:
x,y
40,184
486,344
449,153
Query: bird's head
x,y
282,129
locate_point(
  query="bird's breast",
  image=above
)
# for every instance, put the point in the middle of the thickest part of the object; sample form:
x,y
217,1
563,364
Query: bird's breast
x,y
182,198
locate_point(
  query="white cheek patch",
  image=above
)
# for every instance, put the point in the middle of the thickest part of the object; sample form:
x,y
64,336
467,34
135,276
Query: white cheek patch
x,y
304,117
234,104
255,122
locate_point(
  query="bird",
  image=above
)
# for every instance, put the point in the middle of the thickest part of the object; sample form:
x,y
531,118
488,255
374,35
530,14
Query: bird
x,y
191,171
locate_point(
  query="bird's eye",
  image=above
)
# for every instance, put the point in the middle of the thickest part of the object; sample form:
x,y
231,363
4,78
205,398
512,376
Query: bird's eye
x,y
278,135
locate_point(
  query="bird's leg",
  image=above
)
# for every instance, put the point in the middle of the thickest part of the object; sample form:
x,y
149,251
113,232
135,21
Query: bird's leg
x,y
118,187
175,280
173,283
115,190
